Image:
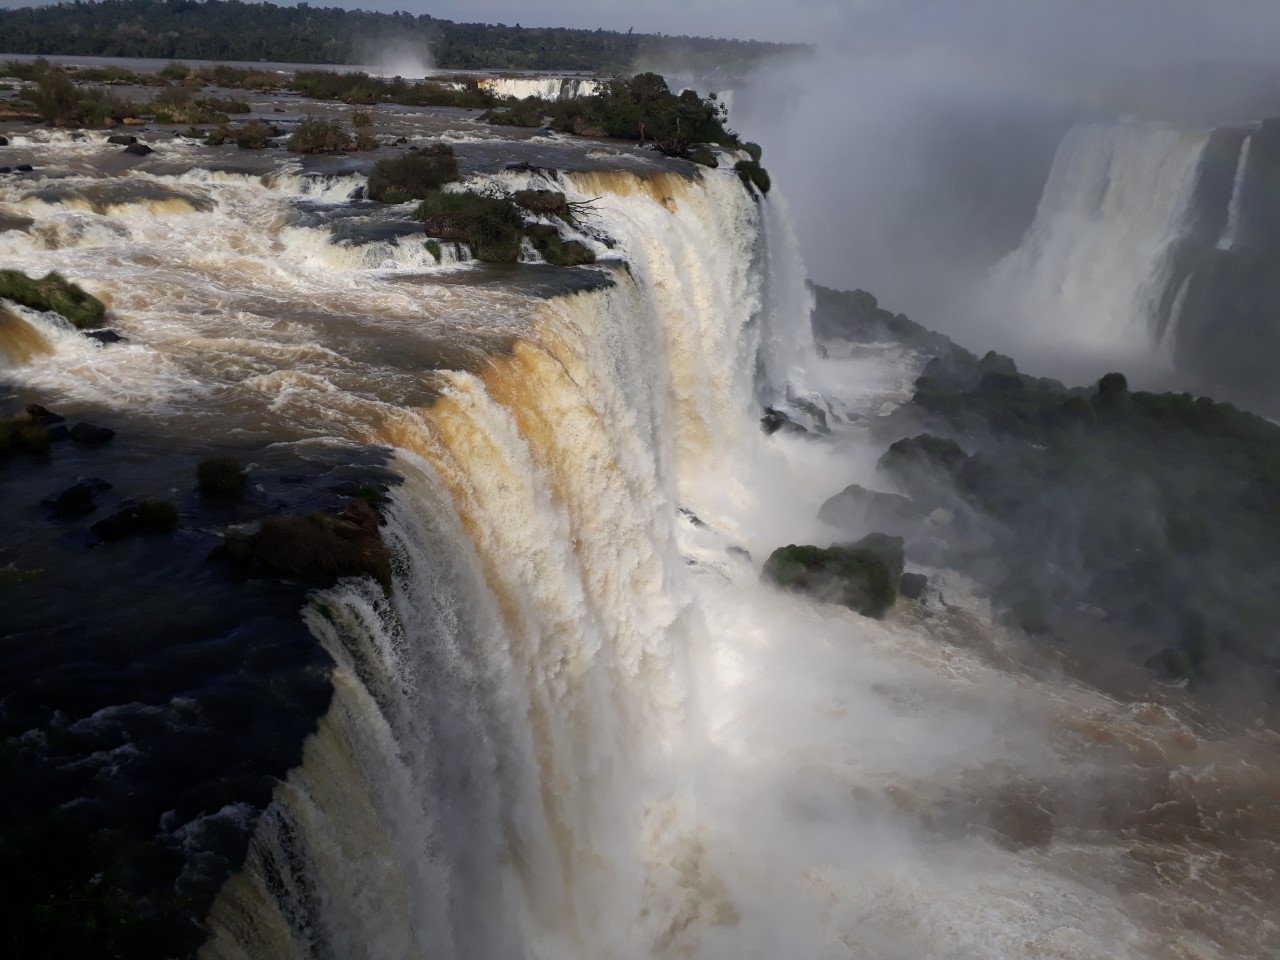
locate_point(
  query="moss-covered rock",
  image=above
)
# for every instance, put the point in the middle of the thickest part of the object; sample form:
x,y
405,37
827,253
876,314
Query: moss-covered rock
x,y
548,203
414,175
53,292
318,547
753,175
863,576
556,250
221,478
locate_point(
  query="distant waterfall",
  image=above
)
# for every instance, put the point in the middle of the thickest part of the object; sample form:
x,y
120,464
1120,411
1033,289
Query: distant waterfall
x,y
1097,265
1231,234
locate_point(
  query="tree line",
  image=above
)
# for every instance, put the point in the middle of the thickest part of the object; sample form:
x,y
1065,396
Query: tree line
x,y
233,30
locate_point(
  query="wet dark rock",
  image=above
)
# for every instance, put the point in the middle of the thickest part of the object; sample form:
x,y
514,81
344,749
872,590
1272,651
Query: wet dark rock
x,y
38,414
4,141
775,420
105,336
139,149
59,431
90,433
856,507
913,585
149,516
863,576
736,551
693,518
221,478
122,139
320,546
24,168
6,169
76,500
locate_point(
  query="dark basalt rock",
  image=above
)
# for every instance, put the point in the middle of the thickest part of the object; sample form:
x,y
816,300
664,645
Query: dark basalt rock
x,y
105,336
90,433
24,436
149,516
863,576
24,168
318,547
913,585
76,500
139,149
920,461
38,414
122,139
857,507
775,420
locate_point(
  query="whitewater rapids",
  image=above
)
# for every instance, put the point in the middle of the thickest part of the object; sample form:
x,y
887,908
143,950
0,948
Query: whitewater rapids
x,y
580,726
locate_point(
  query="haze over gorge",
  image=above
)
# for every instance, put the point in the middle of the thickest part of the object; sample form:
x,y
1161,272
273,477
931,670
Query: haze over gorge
x,y
471,492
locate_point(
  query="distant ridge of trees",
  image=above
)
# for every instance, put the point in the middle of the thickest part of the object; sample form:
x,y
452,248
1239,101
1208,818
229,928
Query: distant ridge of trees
x,y
233,30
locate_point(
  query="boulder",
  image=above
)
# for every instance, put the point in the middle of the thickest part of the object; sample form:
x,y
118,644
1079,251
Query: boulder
x,y
319,547
89,433
139,149
857,508
76,500
775,420
38,414
863,576
122,139
149,516
913,585
104,336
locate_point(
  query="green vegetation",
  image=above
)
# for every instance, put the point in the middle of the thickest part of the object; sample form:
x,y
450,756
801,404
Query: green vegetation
x,y
229,30
1156,513
434,248
414,175
643,108
556,250
549,203
357,87
704,156
318,136
529,112
862,576
221,478
491,226
53,292
362,118
753,175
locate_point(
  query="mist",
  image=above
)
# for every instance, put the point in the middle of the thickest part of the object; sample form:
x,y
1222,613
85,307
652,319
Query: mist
x,y
915,146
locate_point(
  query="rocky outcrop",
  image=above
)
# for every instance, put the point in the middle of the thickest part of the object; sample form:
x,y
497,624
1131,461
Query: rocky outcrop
x,y
863,576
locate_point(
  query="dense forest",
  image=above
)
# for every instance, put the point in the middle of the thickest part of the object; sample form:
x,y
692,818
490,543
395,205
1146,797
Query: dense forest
x,y
231,30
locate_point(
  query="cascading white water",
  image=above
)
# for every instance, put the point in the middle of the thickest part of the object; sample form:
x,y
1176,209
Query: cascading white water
x,y
545,88
580,726
1094,267
1231,232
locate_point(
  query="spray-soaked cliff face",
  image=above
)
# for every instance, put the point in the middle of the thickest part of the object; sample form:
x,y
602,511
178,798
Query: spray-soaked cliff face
x,y
577,724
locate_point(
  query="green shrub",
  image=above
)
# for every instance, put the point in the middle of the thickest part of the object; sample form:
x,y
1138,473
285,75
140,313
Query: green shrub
x,y
53,292
753,151
752,174
221,478
644,108
491,226
318,136
175,70
434,248
362,118
254,135
413,176
556,250
56,98
529,112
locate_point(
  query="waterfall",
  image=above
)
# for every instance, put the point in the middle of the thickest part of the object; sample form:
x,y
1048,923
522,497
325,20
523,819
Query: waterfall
x,y
514,722
1231,233
1097,262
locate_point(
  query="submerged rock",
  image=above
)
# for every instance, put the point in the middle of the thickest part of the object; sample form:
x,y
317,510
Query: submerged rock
x,y
149,516
122,139
863,576
139,149
76,500
104,336
90,433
